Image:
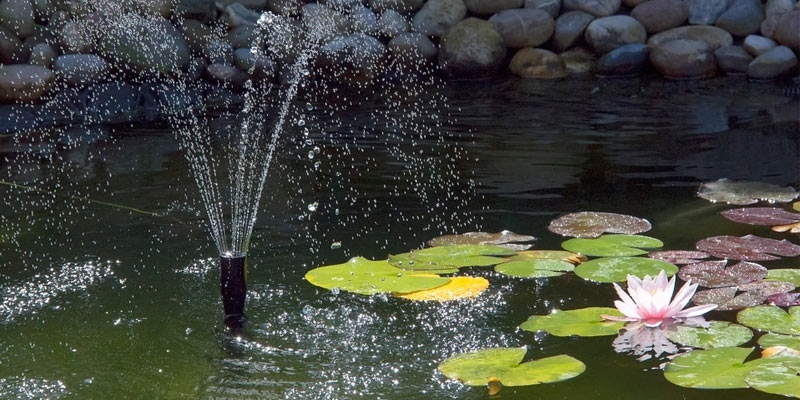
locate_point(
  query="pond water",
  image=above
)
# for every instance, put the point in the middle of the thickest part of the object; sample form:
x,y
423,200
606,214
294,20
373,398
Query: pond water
x,y
104,302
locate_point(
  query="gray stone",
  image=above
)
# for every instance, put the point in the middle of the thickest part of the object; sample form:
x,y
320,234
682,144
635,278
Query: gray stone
x,y
472,48
684,59
58,20
227,75
578,61
706,12
258,65
537,63
11,49
114,102
195,69
733,59
713,36
787,32
412,49
42,10
632,3
523,27
777,7
218,52
242,36
626,60
80,69
553,7
598,8
770,24
608,33
237,14
742,18
23,82
660,15
758,45
401,6
75,37
775,63
157,46
17,17
392,23
569,28
363,20
355,59
202,10
42,54
251,4
286,7
488,7
436,16
197,34
324,22
153,7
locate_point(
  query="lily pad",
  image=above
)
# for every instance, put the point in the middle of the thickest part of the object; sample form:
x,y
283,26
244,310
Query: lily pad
x,y
363,276
713,274
752,294
678,256
785,274
784,299
796,206
503,364
617,269
612,245
772,319
450,258
534,268
748,248
505,239
559,255
591,224
761,216
774,339
580,322
743,193
717,334
459,287
717,368
776,376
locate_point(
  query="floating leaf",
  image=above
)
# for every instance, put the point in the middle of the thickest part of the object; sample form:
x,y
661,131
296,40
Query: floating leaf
x,y
784,299
717,334
459,287
591,224
772,319
718,368
792,228
726,298
761,216
778,376
796,206
713,274
559,255
743,193
612,245
749,248
774,339
505,239
503,364
678,256
363,276
450,258
767,288
580,322
785,274
617,269
534,268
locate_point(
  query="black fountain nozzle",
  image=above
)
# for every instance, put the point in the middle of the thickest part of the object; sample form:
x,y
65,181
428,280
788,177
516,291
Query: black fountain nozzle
x,y
232,276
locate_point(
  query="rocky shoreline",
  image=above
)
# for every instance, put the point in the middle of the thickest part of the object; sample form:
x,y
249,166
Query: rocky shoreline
x,y
51,46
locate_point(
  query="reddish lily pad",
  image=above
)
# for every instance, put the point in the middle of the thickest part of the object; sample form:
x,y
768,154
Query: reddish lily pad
x,y
761,216
505,239
591,224
679,256
749,248
752,294
784,299
744,193
713,274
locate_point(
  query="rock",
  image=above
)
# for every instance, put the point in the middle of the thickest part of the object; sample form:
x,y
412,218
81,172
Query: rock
x,y
157,46
17,17
578,61
769,24
58,20
258,65
42,54
201,10
196,68
324,22
237,14
401,6
524,27
218,52
788,28
436,16
660,15
608,33
242,36
742,18
488,7
353,59
80,69
733,59
471,48
23,82
569,28
251,4
758,45
684,59
227,75
11,49
286,7
632,3
412,49
713,36
537,63
114,102
196,34
598,8
363,20
153,7
626,60
392,23
706,12
777,7
775,63
552,7
75,37
42,10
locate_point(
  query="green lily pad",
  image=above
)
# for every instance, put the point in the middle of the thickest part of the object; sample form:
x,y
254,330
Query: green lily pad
x,y
784,274
534,268
779,376
719,368
580,322
559,255
718,334
796,206
504,238
612,245
477,368
616,269
450,258
772,319
775,339
591,224
363,276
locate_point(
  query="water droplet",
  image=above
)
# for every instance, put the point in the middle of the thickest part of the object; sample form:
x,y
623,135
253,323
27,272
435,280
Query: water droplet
x,y
317,149
313,206
311,154
335,291
307,309
336,211
301,122
336,245
309,107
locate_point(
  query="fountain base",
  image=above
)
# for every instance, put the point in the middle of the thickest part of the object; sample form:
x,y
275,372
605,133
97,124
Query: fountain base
x,y
232,284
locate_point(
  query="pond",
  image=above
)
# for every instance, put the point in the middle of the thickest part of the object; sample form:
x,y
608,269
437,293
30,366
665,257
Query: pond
x,y
104,302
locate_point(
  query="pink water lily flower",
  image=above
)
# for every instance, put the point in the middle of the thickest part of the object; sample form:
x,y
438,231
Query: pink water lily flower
x,y
649,300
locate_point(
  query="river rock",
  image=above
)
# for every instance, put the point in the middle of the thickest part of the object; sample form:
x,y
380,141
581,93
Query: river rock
x,y
23,82
75,37
17,17
353,59
153,7
242,36
42,54
713,36
569,28
196,68
324,22
660,15
552,7
523,27
706,12
412,49
262,67
598,8
578,61
733,59
787,32
196,34
401,6
157,46
11,49
488,7
202,10
769,24
42,10
237,14
80,69
742,18
608,33
251,4
363,20
777,7
58,20
629,59
632,3
684,59
472,48
227,75
773,64
286,7
436,16
218,51
391,23
537,63
758,45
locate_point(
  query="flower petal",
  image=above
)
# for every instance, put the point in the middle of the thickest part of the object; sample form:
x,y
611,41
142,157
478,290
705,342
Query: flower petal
x,y
695,311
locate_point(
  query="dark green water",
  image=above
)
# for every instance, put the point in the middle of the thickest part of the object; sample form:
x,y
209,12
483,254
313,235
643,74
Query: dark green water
x,y
534,150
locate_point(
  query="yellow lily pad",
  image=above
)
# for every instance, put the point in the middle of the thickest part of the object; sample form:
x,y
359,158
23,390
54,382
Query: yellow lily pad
x,y
459,287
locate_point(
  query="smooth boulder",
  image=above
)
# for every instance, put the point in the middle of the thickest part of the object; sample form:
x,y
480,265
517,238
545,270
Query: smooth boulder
x,y
80,69
472,48
660,15
412,49
256,64
524,27
598,8
608,33
706,12
733,59
537,63
17,17
227,75
158,47
787,32
758,45
775,63
626,60
42,54
684,59
436,16
391,23
569,28
353,59
742,18
552,7
12,50
401,6
578,61
23,82
489,7
713,36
